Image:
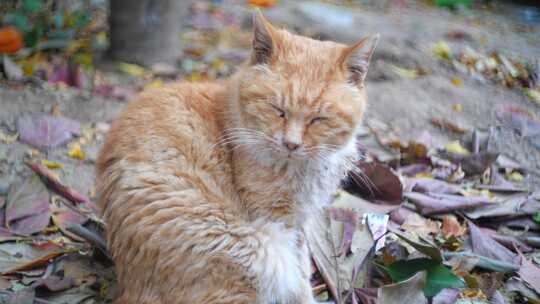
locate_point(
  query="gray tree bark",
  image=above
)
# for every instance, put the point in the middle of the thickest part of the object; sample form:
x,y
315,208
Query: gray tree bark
x,y
146,31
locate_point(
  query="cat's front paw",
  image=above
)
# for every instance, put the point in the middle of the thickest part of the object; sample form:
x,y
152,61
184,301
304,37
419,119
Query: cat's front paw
x,y
280,267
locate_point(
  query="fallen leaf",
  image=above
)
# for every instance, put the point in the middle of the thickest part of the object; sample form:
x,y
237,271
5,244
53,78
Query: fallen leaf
x,y
53,182
23,256
324,237
405,292
376,182
263,3
456,148
422,246
514,206
451,226
132,69
457,82
64,217
54,283
534,95
448,125
75,151
51,164
443,203
442,50
438,276
430,185
11,40
350,220
378,226
405,73
12,70
508,241
515,177
484,245
457,107
421,226
46,131
27,207
517,285
530,273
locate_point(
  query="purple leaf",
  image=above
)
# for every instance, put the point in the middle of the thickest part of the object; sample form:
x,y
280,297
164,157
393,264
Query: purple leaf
x,y
429,185
27,209
508,241
47,131
514,206
530,273
443,203
484,245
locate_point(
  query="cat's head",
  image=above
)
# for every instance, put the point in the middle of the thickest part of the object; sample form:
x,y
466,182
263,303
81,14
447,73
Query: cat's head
x,y
300,98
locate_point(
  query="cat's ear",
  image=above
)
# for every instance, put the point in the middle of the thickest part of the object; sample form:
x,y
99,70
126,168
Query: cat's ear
x,y
264,36
356,58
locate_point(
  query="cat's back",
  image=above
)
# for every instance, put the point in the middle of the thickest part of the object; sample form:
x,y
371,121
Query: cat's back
x,y
177,115
168,131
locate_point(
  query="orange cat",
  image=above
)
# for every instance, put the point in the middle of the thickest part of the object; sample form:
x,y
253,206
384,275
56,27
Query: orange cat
x,y
205,187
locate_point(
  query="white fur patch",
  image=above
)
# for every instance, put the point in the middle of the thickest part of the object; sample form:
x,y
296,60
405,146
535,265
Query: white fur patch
x,y
278,266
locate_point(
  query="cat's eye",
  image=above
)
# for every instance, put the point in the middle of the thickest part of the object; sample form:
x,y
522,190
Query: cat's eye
x,y
317,119
279,111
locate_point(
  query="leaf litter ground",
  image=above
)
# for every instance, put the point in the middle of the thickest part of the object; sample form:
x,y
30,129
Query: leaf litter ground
x,y
419,221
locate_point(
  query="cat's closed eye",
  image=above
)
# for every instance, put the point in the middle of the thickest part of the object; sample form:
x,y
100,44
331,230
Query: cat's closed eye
x,y
280,112
317,119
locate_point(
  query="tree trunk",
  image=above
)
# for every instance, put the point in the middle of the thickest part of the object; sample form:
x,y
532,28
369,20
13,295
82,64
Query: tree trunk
x,y
146,31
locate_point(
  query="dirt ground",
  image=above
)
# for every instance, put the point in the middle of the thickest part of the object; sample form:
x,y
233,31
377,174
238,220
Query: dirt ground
x,y
406,105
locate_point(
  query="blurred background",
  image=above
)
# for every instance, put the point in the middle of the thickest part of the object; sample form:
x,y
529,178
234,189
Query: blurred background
x,y
444,70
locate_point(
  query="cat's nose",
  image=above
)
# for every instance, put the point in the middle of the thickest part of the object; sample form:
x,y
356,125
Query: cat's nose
x,y
291,145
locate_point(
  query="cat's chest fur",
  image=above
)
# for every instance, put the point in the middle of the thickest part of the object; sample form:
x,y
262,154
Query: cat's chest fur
x,y
288,191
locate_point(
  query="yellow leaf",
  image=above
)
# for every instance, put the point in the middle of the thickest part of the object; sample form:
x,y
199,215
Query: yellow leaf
x,y
457,107
51,164
534,95
75,151
457,82
515,176
456,147
423,175
132,69
157,83
442,50
406,73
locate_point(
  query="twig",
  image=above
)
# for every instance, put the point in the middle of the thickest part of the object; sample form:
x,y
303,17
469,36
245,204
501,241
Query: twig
x,y
91,237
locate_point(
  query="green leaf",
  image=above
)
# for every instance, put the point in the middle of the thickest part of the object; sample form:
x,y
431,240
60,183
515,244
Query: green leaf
x,y
438,276
32,6
536,218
